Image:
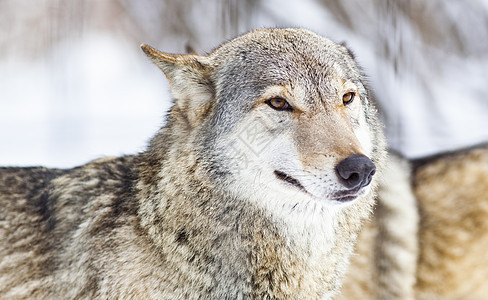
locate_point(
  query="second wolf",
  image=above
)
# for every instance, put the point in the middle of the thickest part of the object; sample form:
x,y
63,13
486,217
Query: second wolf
x,y
256,187
429,235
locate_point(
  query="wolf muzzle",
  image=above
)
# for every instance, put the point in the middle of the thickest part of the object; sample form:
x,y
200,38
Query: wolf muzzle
x,y
355,171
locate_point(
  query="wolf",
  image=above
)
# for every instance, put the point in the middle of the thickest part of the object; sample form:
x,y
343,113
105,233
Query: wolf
x,y
256,187
429,234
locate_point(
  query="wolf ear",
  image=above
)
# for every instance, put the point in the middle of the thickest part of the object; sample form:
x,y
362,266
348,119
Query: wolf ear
x,y
351,53
189,80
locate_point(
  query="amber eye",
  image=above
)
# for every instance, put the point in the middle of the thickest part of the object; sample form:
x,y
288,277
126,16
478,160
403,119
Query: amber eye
x,y
278,103
348,98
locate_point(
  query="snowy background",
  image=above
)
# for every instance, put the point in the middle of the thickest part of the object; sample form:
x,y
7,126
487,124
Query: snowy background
x,y
75,86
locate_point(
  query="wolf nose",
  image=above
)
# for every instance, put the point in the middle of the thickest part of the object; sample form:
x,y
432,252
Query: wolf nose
x,y
355,171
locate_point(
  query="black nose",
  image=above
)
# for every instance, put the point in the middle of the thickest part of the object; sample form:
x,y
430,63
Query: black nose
x,y
356,171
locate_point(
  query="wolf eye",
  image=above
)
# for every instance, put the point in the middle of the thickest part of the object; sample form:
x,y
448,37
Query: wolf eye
x,y
348,98
278,103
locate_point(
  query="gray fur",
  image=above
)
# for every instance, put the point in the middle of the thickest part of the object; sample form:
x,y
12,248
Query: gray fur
x,y
184,219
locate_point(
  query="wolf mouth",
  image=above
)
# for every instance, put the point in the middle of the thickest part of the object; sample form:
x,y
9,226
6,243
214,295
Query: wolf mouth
x,y
339,196
287,178
346,196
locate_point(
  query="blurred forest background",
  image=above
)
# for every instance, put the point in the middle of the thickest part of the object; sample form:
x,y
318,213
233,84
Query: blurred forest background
x,y
74,84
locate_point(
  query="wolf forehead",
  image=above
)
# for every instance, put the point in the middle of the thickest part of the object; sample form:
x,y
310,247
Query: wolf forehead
x,y
282,56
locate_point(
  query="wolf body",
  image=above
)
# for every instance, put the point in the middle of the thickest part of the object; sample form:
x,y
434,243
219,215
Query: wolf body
x,y
429,234
256,187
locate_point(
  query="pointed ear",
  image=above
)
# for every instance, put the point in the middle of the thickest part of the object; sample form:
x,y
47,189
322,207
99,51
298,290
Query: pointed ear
x,y
189,80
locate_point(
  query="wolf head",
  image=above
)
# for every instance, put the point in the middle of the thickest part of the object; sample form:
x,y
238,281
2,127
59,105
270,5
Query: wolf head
x,y
280,115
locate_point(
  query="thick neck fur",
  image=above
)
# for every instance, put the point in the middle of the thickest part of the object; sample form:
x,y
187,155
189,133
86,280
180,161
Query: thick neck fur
x,y
229,246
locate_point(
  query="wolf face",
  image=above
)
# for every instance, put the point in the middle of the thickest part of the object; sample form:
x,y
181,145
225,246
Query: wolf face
x,y
284,114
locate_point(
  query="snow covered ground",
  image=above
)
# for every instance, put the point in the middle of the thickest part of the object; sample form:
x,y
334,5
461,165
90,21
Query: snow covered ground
x,y
96,93
98,97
